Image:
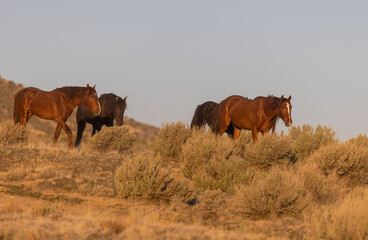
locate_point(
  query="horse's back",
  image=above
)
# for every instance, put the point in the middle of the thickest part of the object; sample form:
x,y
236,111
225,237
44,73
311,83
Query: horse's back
x,y
229,103
250,114
51,105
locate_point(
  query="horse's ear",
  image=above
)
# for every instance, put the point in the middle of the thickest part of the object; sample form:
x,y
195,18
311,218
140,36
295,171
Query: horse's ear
x,y
282,98
94,87
289,98
116,99
125,98
88,85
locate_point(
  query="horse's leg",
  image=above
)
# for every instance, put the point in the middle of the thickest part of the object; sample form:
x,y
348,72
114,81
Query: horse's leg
x,y
63,125
236,133
57,134
81,127
28,116
109,123
255,136
96,128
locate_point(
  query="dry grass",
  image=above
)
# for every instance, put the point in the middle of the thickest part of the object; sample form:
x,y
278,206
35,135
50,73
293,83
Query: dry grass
x,y
11,134
347,219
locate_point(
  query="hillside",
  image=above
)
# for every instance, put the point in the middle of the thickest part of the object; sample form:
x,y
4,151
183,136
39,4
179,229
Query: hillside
x,y
186,184
8,89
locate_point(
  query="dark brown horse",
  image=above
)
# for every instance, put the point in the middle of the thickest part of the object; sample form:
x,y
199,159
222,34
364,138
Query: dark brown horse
x,y
207,113
201,114
54,105
257,115
112,107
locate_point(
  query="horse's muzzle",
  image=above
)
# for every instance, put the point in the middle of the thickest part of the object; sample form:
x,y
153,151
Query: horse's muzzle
x,y
97,112
288,124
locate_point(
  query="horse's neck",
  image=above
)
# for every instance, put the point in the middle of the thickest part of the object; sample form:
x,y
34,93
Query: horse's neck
x,y
270,112
72,96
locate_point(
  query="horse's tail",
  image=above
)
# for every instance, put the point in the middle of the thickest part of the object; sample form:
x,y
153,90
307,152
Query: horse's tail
x,y
16,116
198,117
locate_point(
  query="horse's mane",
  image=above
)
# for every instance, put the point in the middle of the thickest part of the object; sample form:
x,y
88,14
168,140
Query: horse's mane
x,y
70,87
270,100
69,91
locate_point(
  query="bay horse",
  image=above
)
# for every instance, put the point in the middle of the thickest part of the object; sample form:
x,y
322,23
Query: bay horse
x,y
112,107
55,105
207,113
257,115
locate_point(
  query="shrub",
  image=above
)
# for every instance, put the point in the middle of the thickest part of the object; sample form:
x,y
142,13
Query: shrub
x,y
270,150
278,193
347,160
201,147
344,220
212,200
210,161
323,189
13,134
222,174
142,177
306,140
245,139
360,140
170,140
112,139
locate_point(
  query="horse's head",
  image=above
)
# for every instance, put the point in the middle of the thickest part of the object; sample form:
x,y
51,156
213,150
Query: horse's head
x,y
119,109
90,99
285,110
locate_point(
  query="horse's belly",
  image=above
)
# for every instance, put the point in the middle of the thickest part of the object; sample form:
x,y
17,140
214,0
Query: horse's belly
x,y
243,121
42,110
242,124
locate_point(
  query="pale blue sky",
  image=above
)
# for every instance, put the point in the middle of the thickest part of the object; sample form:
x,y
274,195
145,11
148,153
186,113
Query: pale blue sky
x,y
170,56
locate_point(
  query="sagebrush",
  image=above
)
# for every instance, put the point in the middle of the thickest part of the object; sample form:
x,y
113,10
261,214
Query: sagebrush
x,y
346,160
142,177
114,138
306,139
277,193
168,144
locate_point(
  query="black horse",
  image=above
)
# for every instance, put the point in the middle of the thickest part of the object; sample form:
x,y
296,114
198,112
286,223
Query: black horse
x,y
207,113
112,107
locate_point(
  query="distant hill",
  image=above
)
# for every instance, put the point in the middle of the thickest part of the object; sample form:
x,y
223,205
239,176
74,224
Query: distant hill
x,y
8,89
